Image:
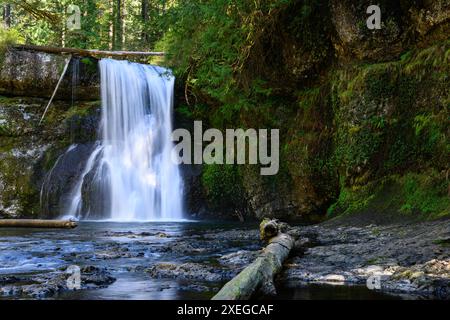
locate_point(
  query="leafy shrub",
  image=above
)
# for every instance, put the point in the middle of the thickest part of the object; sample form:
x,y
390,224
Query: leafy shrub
x,y
9,37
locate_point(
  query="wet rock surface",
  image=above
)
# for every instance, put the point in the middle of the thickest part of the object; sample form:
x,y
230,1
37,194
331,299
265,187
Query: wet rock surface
x,y
120,260
49,284
224,249
410,260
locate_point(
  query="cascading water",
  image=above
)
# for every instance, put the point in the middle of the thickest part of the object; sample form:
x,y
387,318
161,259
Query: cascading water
x,y
130,175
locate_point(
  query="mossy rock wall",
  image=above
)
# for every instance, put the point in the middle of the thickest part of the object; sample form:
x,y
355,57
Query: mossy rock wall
x,y
392,128
29,150
366,117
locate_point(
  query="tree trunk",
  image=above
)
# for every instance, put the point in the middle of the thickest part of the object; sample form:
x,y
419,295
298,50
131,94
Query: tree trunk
x,y
118,25
144,15
7,15
111,25
124,25
36,223
259,275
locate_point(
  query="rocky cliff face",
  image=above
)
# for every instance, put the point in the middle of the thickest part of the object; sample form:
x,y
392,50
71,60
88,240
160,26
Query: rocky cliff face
x,y
35,74
28,148
363,114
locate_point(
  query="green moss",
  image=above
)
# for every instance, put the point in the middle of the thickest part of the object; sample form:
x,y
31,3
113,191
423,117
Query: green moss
x,y
377,260
379,83
223,186
442,242
425,194
351,200
309,98
392,116
420,196
52,155
90,64
19,189
7,144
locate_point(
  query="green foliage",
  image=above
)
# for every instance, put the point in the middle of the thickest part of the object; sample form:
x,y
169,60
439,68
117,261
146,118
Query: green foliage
x,y
225,52
9,37
103,26
203,43
351,200
223,186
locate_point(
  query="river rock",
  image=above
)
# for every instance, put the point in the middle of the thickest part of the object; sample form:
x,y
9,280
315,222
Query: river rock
x,y
407,259
239,259
188,271
49,284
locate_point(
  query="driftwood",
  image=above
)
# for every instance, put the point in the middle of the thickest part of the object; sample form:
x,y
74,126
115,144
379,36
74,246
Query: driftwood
x,y
259,275
87,52
37,223
56,88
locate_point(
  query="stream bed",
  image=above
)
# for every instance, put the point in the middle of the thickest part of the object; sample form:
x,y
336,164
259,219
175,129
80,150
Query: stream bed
x,y
152,260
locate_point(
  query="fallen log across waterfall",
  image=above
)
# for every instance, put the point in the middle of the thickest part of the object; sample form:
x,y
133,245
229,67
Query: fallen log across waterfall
x,y
37,223
87,52
259,275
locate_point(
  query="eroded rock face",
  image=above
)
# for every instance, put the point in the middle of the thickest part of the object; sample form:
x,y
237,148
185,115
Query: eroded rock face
x,y
60,181
35,74
269,198
19,191
28,150
402,23
354,38
431,15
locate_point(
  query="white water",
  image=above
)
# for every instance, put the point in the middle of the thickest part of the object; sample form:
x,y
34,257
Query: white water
x,y
133,161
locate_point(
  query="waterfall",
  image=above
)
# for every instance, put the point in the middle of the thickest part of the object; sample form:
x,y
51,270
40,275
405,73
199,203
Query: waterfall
x,y
130,175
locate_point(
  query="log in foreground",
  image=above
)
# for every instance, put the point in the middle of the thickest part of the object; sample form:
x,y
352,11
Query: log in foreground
x,y
37,223
87,52
259,275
